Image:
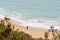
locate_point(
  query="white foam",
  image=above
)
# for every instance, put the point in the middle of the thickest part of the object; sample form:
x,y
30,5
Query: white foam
x,y
42,23
37,24
31,24
2,16
34,23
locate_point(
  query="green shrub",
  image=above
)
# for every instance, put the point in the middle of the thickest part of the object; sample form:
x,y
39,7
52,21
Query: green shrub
x,y
6,33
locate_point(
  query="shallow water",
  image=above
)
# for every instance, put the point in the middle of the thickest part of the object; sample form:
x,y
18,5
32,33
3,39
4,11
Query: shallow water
x,y
35,13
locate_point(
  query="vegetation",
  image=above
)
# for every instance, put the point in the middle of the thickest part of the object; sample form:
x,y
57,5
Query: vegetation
x,y
7,33
46,36
7,18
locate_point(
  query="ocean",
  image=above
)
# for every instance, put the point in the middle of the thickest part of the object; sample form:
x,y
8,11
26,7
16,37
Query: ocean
x,y
34,13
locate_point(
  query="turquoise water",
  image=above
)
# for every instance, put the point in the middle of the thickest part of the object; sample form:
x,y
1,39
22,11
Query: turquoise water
x,y
32,8
36,10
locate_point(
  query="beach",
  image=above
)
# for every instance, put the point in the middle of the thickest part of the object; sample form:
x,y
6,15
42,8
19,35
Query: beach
x,y
38,18
34,32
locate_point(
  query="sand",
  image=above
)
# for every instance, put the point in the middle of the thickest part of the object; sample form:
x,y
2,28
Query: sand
x,y
34,32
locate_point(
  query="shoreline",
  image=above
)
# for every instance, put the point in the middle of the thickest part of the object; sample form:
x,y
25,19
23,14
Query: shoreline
x,y
34,24
34,32
16,23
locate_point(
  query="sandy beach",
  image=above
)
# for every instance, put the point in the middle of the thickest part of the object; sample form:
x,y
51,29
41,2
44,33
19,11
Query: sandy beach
x,y
29,19
34,32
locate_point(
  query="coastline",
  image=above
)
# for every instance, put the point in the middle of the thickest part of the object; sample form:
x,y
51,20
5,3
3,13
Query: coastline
x,y
34,32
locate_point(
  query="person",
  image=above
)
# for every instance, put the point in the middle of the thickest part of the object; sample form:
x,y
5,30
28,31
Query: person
x,y
27,27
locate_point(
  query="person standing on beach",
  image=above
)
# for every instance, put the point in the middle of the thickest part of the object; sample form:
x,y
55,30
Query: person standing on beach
x,y
27,27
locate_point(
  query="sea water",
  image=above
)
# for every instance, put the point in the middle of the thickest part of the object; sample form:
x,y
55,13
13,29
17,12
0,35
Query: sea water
x,y
33,13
